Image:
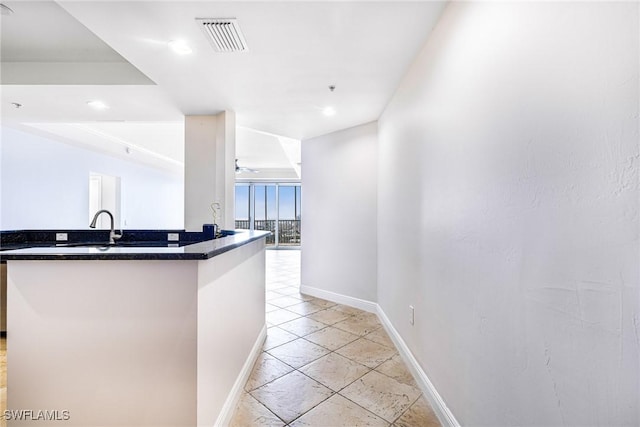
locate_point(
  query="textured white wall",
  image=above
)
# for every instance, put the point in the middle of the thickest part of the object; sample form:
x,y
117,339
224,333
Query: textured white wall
x,y
508,212
339,205
45,185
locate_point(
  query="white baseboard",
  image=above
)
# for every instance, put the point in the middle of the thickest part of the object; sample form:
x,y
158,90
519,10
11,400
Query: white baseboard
x,y
435,400
224,418
445,416
362,304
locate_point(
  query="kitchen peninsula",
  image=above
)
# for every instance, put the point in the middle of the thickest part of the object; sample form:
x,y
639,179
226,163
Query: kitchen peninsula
x,y
129,335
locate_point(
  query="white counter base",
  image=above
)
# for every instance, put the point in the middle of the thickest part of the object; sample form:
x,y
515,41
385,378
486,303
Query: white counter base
x,y
132,343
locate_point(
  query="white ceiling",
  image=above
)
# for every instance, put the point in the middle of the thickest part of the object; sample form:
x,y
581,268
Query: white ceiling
x,y
55,59
158,144
53,36
270,156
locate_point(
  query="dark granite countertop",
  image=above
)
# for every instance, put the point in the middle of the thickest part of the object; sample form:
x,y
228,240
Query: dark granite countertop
x,y
151,251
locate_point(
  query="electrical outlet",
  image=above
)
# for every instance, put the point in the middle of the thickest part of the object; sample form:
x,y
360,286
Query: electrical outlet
x,y
412,317
61,237
173,237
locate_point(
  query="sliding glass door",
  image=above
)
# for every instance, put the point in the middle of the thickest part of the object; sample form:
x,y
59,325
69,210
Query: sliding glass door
x,y
266,212
273,207
289,215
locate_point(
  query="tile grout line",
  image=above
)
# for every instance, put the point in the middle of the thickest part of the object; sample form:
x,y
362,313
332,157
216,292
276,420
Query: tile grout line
x,y
360,406
267,408
333,392
291,293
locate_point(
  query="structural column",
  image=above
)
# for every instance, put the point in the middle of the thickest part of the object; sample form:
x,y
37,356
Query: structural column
x,y
209,170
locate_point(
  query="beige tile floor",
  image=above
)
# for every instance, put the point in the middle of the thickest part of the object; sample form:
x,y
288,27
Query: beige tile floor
x,y
325,364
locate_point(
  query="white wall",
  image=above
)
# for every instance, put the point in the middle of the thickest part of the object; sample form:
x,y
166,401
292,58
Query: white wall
x,y
231,315
45,185
508,212
110,328
210,147
339,212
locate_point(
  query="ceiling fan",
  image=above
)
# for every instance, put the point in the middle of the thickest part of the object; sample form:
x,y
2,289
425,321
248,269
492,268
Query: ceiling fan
x,y
240,169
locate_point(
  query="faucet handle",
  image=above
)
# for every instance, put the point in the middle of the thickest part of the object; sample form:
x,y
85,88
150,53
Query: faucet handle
x,y
113,236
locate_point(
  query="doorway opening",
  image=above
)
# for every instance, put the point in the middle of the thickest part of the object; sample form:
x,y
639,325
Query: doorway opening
x,y
104,193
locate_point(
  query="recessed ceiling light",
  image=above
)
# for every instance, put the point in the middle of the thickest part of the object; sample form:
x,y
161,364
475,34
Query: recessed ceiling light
x,y
98,105
329,111
180,47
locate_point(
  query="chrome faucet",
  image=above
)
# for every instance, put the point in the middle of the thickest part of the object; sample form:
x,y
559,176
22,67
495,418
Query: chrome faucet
x,y
112,234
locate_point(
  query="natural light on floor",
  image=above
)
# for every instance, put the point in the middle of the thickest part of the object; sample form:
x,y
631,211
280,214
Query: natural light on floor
x,y
325,364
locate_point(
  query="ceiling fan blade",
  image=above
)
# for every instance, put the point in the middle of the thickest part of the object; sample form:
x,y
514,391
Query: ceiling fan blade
x,y
244,169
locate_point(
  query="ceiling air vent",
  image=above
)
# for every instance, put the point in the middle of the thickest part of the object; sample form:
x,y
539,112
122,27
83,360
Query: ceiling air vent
x,y
224,34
